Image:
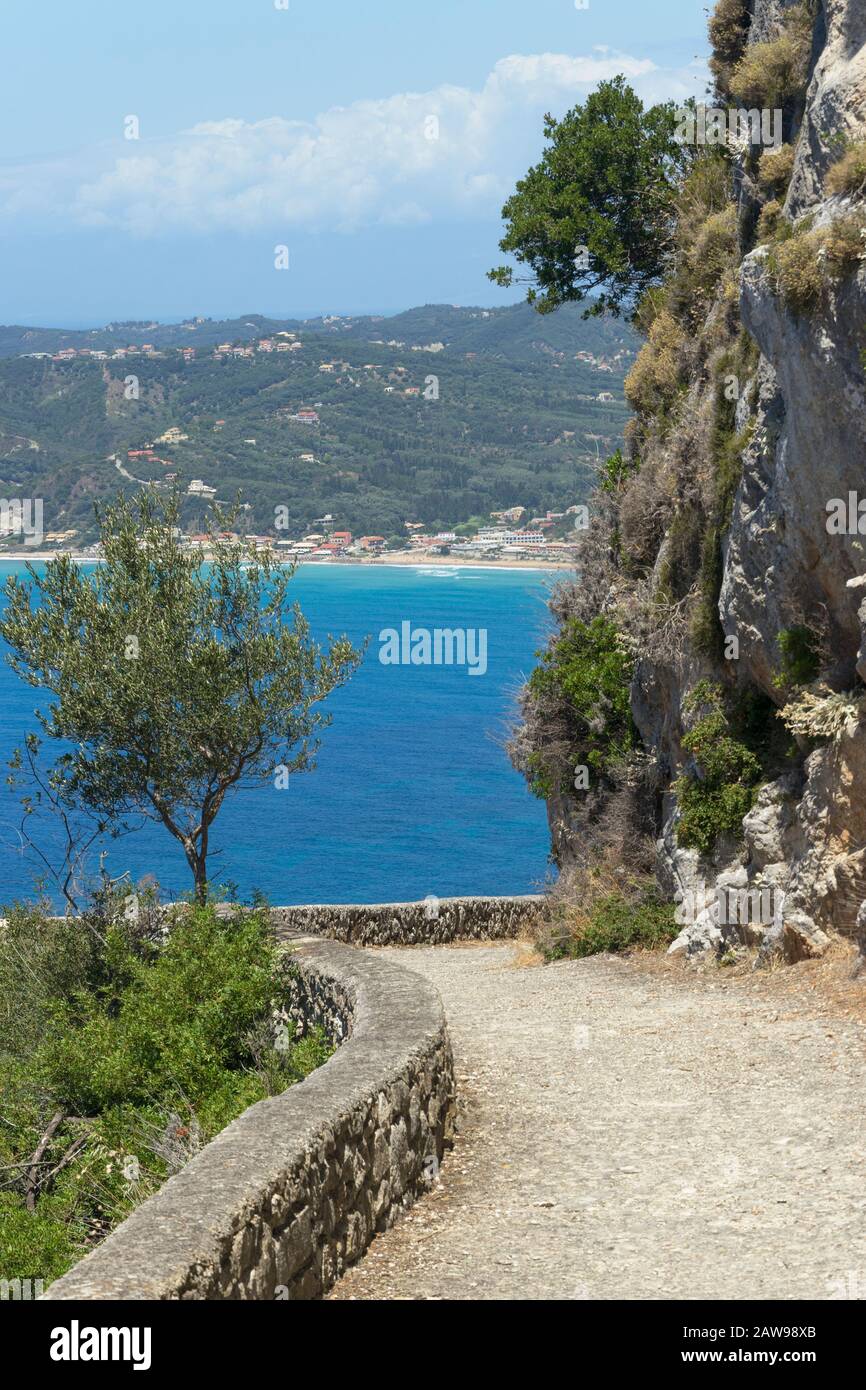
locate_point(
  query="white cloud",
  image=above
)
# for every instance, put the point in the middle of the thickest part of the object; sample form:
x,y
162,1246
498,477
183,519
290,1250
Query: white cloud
x,y
369,163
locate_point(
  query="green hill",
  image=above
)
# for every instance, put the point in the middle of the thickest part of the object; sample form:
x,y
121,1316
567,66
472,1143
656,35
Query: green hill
x,y
503,413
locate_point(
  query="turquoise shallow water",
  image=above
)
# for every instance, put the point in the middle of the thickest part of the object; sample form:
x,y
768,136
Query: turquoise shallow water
x,y
413,793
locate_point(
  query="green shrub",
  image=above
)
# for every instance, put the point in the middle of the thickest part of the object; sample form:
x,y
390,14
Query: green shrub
x,y
800,659
848,175
148,1045
616,473
33,1245
586,676
707,812
617,922
42,960
716,794
183,1016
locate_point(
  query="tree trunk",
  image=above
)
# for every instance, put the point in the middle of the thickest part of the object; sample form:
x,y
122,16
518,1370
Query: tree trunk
x,y
196,857
200,876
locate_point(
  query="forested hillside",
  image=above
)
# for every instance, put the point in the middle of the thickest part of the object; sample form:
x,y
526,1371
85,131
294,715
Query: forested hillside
x,y
497,411
511,331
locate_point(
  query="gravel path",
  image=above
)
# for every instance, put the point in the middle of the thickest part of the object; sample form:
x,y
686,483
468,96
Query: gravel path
x,y
625,1135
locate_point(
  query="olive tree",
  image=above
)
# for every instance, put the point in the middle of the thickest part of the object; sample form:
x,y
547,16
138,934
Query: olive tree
x,y
174,677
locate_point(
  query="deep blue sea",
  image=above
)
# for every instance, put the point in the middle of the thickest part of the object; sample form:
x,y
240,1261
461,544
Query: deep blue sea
x,y
413,793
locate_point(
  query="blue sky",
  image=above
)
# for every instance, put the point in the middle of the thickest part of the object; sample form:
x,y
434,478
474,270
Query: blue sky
x,y
376,140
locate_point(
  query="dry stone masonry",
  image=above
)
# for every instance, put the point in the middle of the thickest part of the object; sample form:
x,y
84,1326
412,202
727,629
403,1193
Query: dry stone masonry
x,y
431,922
291,1193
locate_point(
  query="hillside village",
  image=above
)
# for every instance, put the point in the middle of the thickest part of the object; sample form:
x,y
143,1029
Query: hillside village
x,y
510,538
288,342
410,441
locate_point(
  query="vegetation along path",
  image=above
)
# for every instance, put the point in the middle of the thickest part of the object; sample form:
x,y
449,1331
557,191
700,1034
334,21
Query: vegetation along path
x,y
628,1131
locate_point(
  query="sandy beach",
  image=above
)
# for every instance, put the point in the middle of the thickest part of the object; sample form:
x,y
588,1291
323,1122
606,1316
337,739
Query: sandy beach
x,y
399,557
407,558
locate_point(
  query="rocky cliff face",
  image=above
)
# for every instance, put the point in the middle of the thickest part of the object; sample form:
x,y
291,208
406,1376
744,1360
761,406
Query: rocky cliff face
x,y
728,563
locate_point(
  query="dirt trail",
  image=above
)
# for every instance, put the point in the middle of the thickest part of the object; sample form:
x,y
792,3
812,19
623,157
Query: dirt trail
x,y
626,1135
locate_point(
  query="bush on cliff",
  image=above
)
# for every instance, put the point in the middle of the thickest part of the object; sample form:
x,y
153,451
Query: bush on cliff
x,y
705,241
848,175
586,676
733,745
772,223
812,260
801,660
720,783
775,169
609,913
844,245
729,33
123,1050
796,271
655,378
773,73
710,257
615,473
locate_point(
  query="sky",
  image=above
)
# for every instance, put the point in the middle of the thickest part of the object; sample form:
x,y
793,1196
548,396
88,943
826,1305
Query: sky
x,y
154,157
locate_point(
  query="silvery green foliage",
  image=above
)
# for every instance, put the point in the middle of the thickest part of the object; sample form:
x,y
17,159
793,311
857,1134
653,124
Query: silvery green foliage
x,y
174,678
823,713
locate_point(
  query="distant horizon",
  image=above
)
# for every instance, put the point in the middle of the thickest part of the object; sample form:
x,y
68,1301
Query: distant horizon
x,y
173,320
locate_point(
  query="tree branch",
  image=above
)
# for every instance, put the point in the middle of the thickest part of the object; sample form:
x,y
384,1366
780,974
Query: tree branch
x,y
37,1156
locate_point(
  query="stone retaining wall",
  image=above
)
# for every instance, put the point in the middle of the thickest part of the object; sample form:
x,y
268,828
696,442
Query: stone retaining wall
x,y
428,923
293,1190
